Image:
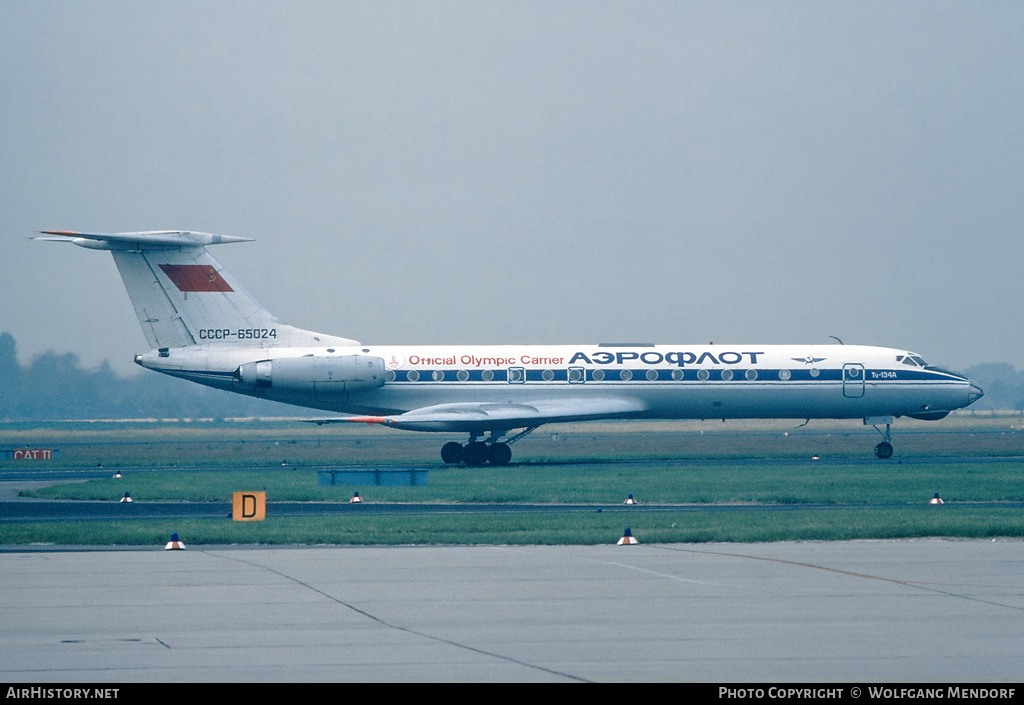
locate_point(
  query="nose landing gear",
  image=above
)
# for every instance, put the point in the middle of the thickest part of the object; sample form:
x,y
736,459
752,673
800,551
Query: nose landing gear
x,y
884,449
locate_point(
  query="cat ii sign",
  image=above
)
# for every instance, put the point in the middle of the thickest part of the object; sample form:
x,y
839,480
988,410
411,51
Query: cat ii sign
x,y
32,454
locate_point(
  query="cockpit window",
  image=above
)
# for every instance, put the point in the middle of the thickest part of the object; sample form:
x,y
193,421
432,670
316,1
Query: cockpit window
x,y
912,360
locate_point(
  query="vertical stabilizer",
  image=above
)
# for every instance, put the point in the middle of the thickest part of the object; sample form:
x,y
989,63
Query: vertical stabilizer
x,y
183,296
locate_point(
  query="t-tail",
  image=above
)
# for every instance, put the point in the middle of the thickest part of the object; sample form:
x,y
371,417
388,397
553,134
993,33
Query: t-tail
x,y
183,297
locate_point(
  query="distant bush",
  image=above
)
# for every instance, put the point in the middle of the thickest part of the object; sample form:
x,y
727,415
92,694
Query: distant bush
x,y
54,386
1003,385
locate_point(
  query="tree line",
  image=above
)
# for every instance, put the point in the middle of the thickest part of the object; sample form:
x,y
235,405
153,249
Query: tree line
x,y
54,386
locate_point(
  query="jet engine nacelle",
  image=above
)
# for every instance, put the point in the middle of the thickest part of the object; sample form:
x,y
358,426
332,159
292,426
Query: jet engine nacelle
x,y
316,374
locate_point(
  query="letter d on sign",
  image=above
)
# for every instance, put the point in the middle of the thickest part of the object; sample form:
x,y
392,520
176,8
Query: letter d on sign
x,y
249,506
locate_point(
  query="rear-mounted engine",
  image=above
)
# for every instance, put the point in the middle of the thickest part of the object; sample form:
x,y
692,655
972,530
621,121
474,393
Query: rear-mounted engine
x,y
324,376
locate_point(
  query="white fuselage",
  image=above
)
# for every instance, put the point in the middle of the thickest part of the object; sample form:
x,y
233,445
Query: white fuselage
x,y
659,381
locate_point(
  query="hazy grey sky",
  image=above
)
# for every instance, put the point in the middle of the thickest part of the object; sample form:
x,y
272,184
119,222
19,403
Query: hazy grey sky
x,y
528,172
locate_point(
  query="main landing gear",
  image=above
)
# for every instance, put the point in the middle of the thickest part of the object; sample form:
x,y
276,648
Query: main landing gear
x,y
884,449
476,453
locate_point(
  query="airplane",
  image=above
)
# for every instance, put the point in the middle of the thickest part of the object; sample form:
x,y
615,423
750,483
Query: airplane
x,y
204,327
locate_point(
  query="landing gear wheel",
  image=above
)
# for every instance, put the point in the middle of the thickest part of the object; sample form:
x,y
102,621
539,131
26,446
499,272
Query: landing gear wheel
x,y
884,450
451,453
499,454
474,454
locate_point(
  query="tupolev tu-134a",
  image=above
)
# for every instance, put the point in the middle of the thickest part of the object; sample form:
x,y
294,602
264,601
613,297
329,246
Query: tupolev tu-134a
x,y
204,327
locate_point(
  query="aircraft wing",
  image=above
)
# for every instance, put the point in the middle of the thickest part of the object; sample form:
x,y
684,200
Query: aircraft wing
x,y
497,416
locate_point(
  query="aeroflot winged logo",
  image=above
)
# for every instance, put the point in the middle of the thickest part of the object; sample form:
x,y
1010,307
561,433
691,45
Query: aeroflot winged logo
x,y
808,360
195,277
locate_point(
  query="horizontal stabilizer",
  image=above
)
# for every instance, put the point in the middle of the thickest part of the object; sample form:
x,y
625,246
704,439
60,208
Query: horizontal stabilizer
x,y
150,240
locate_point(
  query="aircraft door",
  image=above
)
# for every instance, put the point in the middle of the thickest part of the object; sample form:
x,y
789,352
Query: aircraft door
x,y
853,380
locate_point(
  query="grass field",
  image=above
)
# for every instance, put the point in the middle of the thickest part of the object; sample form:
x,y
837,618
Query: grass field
x,y
705,463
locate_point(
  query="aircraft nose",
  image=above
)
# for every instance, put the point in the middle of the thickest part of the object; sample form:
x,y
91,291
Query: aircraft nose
x,y
974,394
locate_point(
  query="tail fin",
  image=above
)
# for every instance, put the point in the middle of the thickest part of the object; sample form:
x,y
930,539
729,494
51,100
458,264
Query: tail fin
x,y
183,296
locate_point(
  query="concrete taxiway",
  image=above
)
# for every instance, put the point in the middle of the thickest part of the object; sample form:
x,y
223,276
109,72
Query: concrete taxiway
x,y
915,611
